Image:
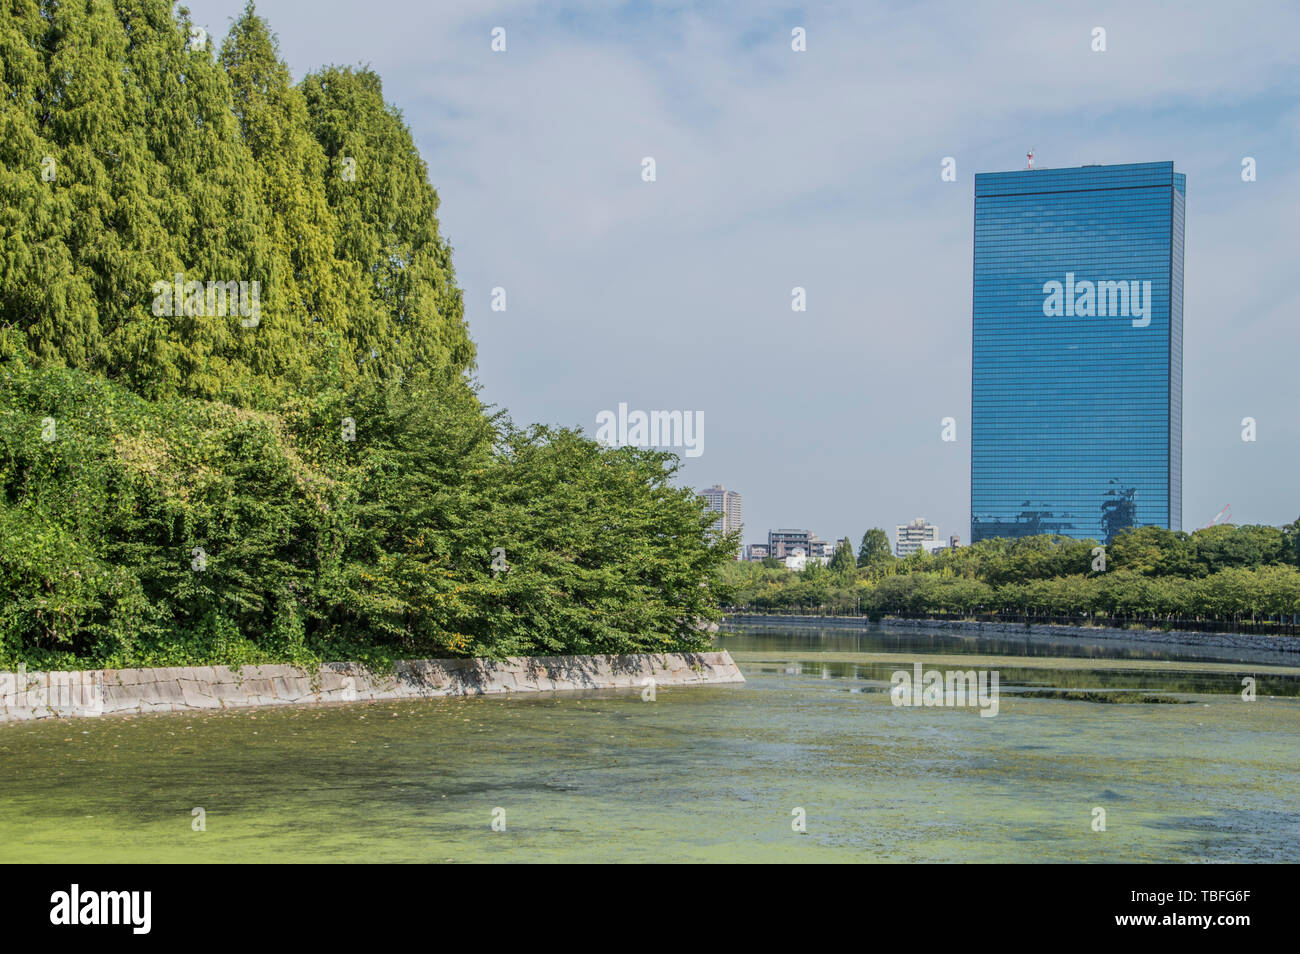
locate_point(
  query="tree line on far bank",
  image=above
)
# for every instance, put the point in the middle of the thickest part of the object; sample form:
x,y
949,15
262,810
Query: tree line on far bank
x,y
1220,574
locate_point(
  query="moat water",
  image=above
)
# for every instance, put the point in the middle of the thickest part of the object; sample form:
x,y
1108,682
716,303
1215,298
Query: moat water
x,y
1167,752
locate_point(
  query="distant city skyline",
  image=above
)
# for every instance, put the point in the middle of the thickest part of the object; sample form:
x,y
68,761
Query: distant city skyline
x,y
823,170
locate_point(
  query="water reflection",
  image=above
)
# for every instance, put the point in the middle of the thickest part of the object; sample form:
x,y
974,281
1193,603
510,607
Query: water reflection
x,y
804,651
881,638
1039,680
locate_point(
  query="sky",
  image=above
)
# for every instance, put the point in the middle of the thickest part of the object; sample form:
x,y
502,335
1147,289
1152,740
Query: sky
x,y
820,169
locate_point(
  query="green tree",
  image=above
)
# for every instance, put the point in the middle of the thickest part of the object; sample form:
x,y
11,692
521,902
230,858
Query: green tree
x,y
842,561
1227,546
874,550
1153,551
1291,542
307,307
385,224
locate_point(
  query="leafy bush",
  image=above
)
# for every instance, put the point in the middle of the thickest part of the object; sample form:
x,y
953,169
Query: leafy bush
x,y
182,531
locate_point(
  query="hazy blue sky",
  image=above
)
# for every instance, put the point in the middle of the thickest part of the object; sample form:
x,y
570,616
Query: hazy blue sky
x,y
821,169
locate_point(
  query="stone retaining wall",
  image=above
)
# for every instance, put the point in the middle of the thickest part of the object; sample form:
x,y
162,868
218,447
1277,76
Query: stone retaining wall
x,y
38,695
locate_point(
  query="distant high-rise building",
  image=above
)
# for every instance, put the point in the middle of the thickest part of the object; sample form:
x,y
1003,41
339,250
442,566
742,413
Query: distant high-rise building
x,y
782,543
1077,360
727,504
912,535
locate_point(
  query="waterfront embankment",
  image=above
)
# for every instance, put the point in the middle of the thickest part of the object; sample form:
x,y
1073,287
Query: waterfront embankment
x,y
1181,638
99,692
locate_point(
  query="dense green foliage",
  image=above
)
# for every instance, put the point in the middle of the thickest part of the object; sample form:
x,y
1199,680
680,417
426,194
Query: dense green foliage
x,y
182,531
162,158
1223,573
323,482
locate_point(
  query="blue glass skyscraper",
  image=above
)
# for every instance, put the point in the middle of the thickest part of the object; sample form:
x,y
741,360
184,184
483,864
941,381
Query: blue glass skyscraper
x,y
1077,358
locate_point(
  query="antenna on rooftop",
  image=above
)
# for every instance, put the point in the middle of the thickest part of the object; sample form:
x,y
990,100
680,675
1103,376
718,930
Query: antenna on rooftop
x,y
1030,156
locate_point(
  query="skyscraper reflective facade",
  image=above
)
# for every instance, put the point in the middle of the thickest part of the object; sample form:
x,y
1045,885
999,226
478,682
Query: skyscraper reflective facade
x,y
1077,357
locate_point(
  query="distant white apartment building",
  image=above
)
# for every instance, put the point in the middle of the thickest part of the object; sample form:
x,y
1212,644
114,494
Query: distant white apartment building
x,y
914,536
797,559
727,504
